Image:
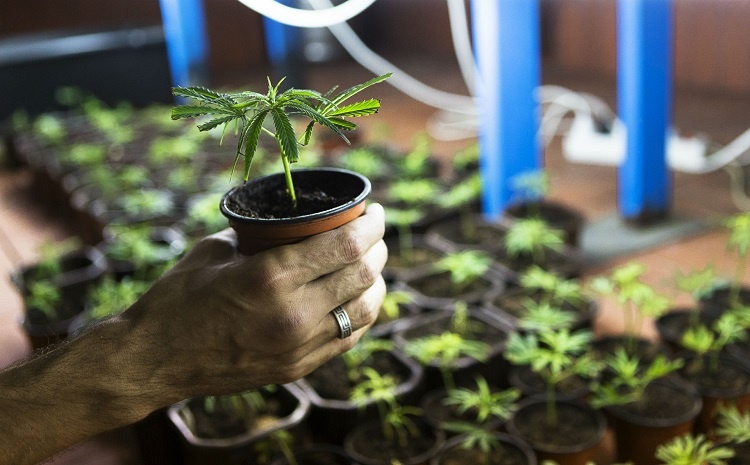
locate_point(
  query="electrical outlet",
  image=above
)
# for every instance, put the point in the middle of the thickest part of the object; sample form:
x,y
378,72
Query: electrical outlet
x,y
584,144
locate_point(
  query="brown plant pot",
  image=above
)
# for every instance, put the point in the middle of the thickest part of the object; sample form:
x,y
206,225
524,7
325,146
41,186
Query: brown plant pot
x,y
332,414
672,325
557,215
718,301
729,385
317,454
238,449
464,371
666,410
255,234
513,451
367,446
585,425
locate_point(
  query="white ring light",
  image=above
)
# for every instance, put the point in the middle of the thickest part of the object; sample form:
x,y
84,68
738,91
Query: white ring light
x,y
308,18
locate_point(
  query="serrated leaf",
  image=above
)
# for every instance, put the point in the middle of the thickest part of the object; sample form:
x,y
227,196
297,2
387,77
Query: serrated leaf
x,y
338,99
207,126
316,117
285,135
254,127
190,111
363,108
204,95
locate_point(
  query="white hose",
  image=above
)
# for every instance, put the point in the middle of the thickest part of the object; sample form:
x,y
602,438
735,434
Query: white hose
x,y
308,18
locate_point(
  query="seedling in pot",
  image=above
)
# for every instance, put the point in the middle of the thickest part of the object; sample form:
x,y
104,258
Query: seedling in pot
x,y
628,378
532,238
693,450
365,161
413,192
390,309
402,220
488,406
732,425
708,343
249,110
44,297
553,289
637,299
51,256
464,267
415,163
396,421
280,441
111,297
357,356
555,356
697,284
545,317
739,240
462,197
445,350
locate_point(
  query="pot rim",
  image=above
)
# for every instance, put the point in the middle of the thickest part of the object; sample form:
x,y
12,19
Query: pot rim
x,y
623,414
232,216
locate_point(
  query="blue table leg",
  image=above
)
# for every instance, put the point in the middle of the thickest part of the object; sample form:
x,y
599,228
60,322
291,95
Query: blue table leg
x,y
187,43
644,55
284,49
507,47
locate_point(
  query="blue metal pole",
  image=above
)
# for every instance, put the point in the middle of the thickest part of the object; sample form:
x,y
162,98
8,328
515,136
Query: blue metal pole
x,y
187,42
507,47
644,52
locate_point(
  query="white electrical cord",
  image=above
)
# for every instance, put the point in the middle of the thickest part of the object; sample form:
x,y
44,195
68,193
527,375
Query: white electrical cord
x,y
308,18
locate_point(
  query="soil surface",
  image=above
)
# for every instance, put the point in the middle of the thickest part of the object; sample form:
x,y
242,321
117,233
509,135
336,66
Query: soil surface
x,y
506,455
575,427
440,285
273,202
227,422
369,442
660,402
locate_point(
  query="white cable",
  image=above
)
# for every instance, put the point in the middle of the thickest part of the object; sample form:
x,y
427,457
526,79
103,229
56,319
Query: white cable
x,y
462,42
405,83
308,18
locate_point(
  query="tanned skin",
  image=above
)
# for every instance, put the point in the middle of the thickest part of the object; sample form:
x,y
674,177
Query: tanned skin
x,y
217,323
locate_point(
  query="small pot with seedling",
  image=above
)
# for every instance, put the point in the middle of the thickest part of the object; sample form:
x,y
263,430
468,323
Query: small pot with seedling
x,y
532,188
407,251
735,294
227,429
568,432
286,207
395,311
458,276
455,346
718,377
399,435
673,324
330,386
141,251
646,406
638,302
54,288
478,440
543,290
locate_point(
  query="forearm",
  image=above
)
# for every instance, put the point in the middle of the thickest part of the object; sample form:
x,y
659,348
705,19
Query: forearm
x,y
84,387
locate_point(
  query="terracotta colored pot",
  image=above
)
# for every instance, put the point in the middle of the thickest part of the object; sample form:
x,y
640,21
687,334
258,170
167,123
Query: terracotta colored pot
x,y
638,435
258,234
454,452
572,416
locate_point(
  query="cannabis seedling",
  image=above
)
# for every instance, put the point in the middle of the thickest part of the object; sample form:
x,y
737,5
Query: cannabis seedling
x,y
739,240
462,197
533,238
555,356
249,110
708,343
693,450
390,309
111,297
395,420
488,405
402,220
357,356
45,297
732,425
551,288
637,299
629,378
445,350
464,267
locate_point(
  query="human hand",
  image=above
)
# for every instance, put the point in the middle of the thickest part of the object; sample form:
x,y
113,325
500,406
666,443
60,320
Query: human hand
x,y
220,322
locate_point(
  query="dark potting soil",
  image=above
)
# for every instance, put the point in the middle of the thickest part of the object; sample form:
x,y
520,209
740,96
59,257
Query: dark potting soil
x,y
371,443
419,256
226,422
274,202
536,385
331,380
440,285
484,235
741,454
728,377
506,455
574,427
660,402
478,330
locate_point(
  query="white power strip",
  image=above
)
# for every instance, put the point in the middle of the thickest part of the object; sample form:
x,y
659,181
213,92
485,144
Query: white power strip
x,y
584,144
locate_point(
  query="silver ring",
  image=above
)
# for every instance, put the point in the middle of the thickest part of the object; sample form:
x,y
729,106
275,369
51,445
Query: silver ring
x,y
345,324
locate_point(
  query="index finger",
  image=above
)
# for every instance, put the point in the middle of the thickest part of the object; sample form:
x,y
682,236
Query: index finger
x,y
332,250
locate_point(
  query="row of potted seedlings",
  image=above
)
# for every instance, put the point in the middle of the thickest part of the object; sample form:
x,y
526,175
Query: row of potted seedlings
x,y
486,325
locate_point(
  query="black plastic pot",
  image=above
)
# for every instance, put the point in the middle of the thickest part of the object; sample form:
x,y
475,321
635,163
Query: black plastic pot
x,y
513,449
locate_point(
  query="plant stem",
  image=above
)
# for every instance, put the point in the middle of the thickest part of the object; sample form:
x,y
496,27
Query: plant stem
x,y
734,298
288,178
551,410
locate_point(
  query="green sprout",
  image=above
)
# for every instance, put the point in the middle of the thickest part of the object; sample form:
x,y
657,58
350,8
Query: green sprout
x,y
361,353
365,161
51,256
45,297
629,378
391,306
249,110
402,220
111,297
532,237
395,420
279,440
732,425
708,343
464,267
555,356
545,317
554,290
739,240
415,162
462,197
693,450
413,192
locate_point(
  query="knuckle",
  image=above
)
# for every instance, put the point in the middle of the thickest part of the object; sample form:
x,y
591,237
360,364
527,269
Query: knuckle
x,y
368,274
349,248
291,323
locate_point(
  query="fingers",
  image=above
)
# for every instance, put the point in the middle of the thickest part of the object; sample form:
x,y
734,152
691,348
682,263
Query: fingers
x,y
362,311
332,250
